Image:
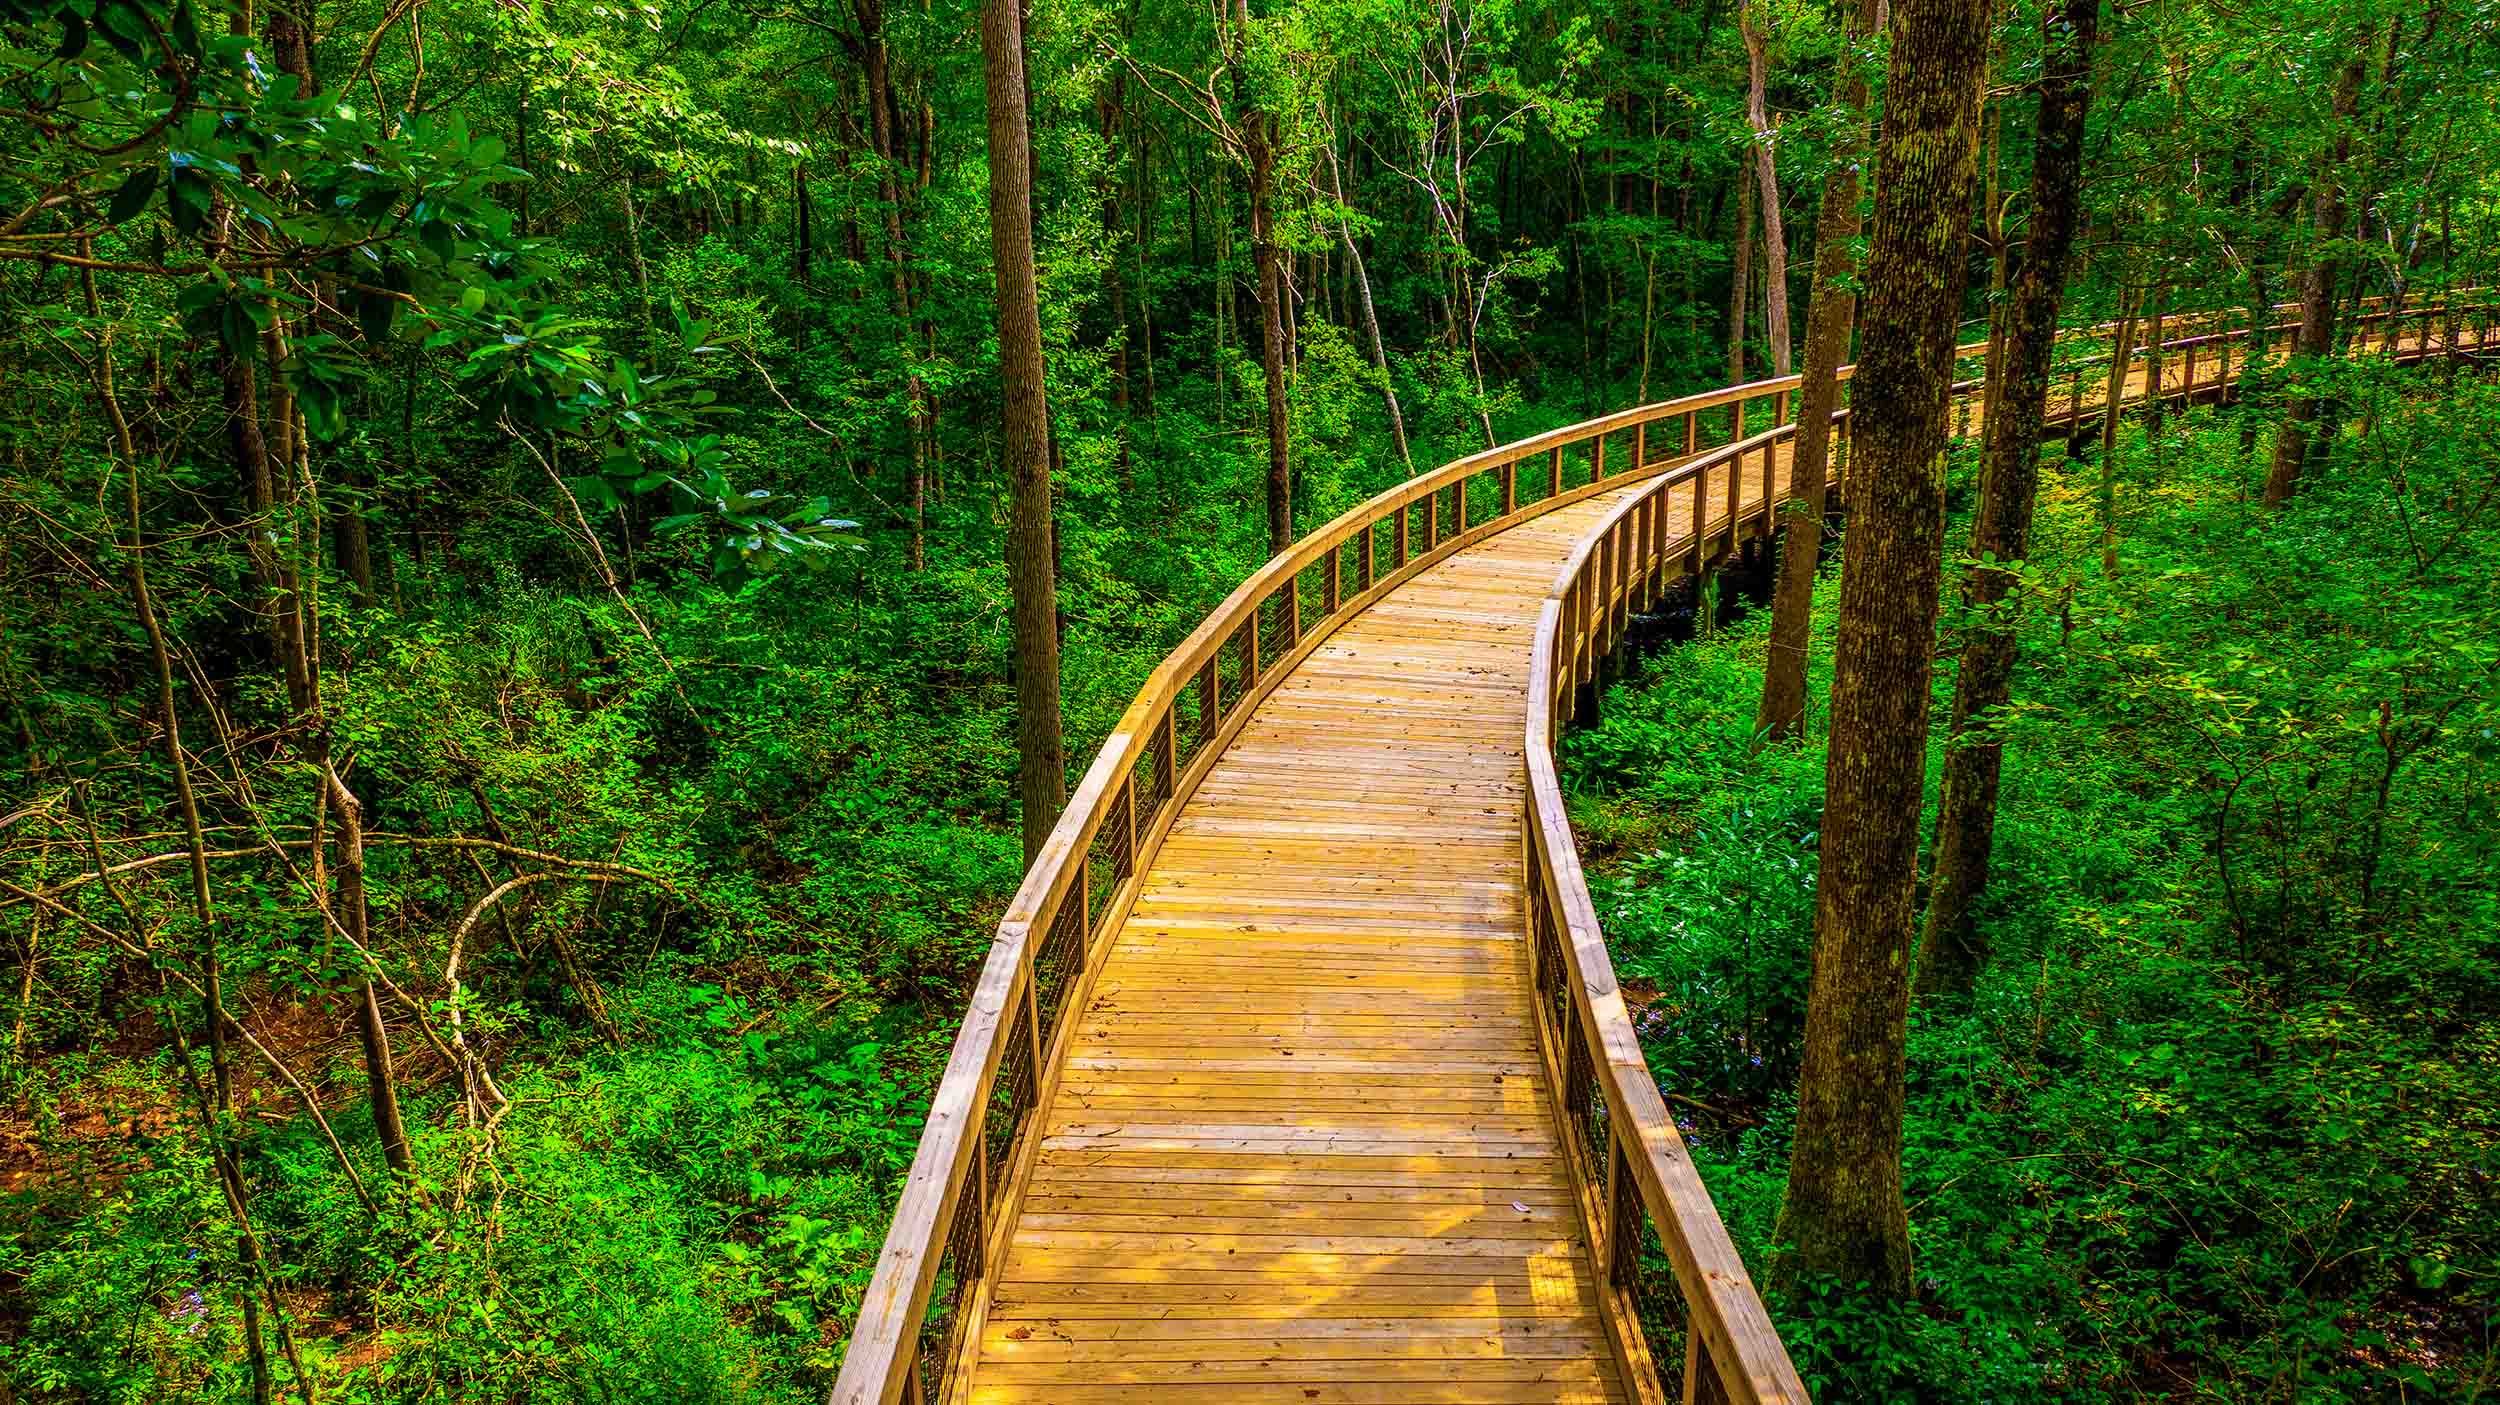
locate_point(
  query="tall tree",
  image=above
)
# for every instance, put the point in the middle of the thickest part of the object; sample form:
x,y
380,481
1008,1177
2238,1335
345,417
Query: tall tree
x,y
1767,197
1831,312
1257,132
1843,1215
1041,750
1950,953
2316,337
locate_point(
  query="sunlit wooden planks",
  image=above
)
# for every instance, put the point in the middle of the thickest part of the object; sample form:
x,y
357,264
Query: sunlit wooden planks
x,y
1302,1147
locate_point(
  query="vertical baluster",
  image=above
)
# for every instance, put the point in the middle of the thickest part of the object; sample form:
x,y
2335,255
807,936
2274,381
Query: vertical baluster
x,y
1700,523
1210,696
1661,519
1735,496
1167,758
1701,1379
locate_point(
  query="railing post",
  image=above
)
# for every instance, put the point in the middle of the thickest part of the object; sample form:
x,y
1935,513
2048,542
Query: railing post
x,y
1397,555
1332,581
1510,488
1553,473
1168,757
1692,431
1700,524
1291,599
1363,556
1735,497
1640,446
1211,696
1432,519
1458,511
1597,459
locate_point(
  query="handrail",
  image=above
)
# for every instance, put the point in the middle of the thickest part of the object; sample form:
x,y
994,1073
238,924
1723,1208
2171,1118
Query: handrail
x,y
1593,1054
951,1222
1004,1060
1592,1051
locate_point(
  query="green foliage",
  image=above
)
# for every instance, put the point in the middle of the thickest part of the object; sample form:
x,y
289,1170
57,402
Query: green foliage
x,y
2212,1121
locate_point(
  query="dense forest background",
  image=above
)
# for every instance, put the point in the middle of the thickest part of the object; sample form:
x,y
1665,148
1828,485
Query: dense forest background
x,y
502,596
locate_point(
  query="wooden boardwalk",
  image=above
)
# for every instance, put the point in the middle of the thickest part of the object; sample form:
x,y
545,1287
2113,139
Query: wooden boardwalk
x,y
1298,1072
1304,1148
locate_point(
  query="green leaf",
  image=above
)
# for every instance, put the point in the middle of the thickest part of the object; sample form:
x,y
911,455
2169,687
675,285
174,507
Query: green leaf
x,y
374,313
133,195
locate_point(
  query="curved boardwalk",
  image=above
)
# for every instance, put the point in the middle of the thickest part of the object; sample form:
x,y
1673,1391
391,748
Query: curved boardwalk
x,y
1301,1139
1304,1148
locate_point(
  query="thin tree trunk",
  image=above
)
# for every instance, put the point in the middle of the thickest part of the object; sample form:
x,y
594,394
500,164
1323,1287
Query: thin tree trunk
x,y
216,1110
1766,174
1041,750
1362,281
1741,276
1831,312
381,1081
1951,951
1843,1216
2317,289
882,127
1258,136
2113,405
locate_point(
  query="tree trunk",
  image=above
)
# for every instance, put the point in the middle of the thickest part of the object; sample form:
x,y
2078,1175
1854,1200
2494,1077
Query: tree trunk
x,y
1747,184
1041,751
882,127
1951,951
1843,1216
1362,281
2113,406
1258,133
2317,288
1831,311
1766,174
381,1082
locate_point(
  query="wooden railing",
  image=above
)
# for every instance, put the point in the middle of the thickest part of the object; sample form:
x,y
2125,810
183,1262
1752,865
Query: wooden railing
x,y
958,1203
959,1197
1643,1202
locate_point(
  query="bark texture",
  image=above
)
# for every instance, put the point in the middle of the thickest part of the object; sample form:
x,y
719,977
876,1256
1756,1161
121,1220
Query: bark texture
x,y
1950,953
2316,336
1041,750
1831,313
1843,1217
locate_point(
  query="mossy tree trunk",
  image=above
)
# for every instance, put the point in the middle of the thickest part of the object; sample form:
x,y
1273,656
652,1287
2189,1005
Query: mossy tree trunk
x,y
1041,750
1950,952
1831,311
1843,1217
